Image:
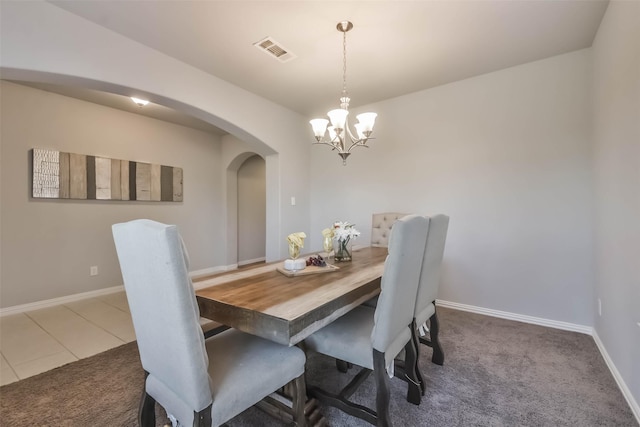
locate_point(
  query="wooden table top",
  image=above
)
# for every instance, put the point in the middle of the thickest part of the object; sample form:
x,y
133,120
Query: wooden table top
x,y
264,302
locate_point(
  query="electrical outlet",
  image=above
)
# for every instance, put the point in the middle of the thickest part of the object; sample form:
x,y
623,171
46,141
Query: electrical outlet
x,y
293,201
93,270
599,307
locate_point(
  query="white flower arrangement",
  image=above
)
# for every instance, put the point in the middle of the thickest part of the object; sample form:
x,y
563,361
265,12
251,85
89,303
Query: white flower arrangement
x,y
344,231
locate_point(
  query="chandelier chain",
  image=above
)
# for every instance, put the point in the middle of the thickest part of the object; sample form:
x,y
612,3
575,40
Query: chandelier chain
x,y
344,64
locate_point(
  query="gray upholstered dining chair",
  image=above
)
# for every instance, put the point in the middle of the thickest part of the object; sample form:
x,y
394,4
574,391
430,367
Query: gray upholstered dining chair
x,y
425,315
371,339
199,382
425,305
381,226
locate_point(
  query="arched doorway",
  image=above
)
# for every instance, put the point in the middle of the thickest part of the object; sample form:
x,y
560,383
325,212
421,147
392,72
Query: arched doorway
x,y
252,203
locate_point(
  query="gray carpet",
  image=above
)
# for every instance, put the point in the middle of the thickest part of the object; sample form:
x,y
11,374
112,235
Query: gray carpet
x,y
496,373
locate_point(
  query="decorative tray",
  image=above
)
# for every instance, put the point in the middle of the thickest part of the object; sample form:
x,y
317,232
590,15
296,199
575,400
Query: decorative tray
x,y
312,269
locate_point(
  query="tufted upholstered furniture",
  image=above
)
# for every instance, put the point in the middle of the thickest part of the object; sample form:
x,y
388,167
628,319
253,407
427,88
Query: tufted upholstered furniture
x,y
381,224
426,319
373,338
200,382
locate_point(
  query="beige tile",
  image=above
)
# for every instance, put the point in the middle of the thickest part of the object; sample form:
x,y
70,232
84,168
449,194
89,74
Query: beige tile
x,y
34,367
76,334
118,300
23,340
7,375
106,316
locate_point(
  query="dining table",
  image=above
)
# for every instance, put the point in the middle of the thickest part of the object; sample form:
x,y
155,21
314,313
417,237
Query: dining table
x,y
286,307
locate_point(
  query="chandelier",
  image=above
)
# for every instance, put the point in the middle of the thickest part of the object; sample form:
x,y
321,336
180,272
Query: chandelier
x,y
340,137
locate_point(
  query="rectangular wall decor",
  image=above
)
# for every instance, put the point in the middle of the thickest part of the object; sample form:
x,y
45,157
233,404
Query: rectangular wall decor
x,y
58,175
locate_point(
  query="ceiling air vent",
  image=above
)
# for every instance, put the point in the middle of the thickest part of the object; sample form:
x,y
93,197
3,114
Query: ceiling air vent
x,y
274,49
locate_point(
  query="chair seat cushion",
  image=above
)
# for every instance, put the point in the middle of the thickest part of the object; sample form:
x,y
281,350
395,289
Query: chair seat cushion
x,y
347,338
243,370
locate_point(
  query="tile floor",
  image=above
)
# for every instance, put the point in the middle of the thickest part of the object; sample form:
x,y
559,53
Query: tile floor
x,y
37,341
40,340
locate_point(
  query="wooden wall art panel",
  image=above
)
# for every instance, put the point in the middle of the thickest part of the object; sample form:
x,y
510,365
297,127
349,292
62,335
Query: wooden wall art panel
x,y
58,175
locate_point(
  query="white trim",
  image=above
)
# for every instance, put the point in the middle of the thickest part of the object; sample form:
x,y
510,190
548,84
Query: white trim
x,y
250,261
211,270
635,408
16,309
38,305
518,317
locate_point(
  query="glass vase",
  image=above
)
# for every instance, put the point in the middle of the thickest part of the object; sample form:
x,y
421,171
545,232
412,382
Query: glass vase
x,y
327,246
294,251
342,249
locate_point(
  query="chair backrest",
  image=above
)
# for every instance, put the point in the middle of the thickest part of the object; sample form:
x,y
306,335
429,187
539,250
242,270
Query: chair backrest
x,y
399,286
430,274
381,224
164,310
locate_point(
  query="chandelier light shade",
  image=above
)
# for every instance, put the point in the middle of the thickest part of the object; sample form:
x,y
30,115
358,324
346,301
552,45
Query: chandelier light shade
x,y
340,137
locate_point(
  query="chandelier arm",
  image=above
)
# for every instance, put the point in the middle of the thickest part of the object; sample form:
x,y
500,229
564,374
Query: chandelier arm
x,y
358,143
346,125
354,141
338,143
331,144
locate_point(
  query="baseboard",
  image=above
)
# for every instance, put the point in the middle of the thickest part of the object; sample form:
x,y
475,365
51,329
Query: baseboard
x,y
250,261
518,317
38,305
635,408
557,325
212,270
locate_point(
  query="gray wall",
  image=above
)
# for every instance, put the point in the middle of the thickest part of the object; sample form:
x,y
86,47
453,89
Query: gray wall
x,y
65,49
616,71
49,245
251,210
507,156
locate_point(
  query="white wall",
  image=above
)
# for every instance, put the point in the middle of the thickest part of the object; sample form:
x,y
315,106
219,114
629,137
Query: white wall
x,y
507,156
616,72
49,245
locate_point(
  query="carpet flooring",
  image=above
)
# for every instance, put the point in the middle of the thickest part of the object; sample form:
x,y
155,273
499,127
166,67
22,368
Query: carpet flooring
x,y
496,373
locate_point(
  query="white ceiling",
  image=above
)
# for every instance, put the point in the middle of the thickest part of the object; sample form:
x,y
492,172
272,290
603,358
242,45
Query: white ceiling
x,y
395,47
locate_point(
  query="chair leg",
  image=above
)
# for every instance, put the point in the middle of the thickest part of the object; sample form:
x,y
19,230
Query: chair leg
x,y
382,389
381,417
147,409
298,401
433,341
203,418
343,366
415,383
344,405
434,329
417,341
